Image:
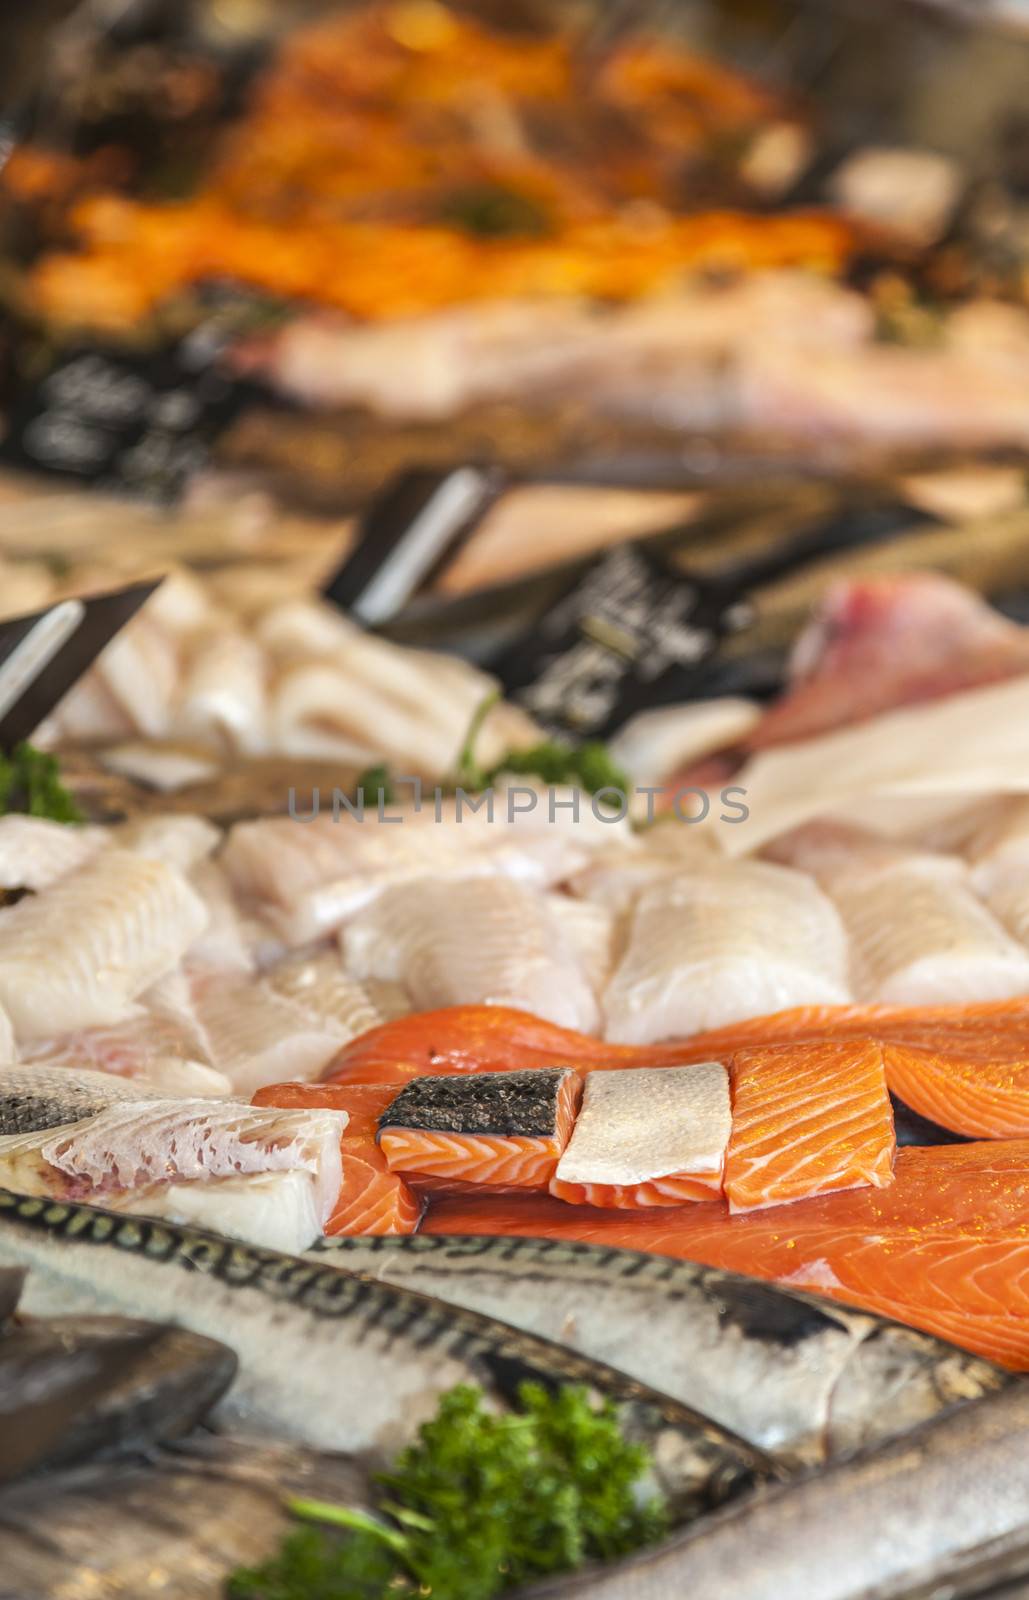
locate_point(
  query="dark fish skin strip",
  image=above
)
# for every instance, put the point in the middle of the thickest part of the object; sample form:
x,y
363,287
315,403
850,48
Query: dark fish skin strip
x,y
805,1378
334,1358
509,1105
902,1521
48,1372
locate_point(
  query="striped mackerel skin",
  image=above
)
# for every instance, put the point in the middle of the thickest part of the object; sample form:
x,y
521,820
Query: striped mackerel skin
x,y
332,1358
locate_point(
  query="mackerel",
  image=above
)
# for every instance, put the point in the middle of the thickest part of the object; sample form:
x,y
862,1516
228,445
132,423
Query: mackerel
x,y
931,1516
801,1377
330,1358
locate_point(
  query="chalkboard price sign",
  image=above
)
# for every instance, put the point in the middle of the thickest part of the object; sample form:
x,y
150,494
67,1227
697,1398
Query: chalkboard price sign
x,y
141,422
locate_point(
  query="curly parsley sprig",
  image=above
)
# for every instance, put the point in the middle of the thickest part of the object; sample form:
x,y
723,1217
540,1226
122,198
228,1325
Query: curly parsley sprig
x,y
480,1503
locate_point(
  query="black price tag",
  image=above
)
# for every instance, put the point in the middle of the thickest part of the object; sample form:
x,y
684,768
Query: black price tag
x,y
140,422
628,634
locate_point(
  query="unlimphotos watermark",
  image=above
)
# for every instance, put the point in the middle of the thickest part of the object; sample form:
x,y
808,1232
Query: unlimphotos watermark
x,y
687,803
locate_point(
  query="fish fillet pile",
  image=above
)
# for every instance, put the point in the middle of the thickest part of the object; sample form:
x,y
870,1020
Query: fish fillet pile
x,y
253,669
327,1023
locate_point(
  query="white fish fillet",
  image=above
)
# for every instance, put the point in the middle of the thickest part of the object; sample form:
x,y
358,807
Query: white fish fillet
x,y
973,743
1000,841
256,1036
273,1210
717,944
79,953
318,984
140,670
34,852
180,841
592,932
149,1052
165,766
480,941
643,1124
919,935
617,878
131,1145
1006,895
655,744
223,694
309,877
229,939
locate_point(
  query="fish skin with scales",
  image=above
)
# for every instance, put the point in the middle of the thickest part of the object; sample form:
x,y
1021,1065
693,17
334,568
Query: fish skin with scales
x,y
915,1520
332,1359
804,1378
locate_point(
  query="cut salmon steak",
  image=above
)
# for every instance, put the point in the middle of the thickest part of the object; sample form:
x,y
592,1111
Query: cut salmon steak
x,y
944,1248
372,1199
506,1129
808,1119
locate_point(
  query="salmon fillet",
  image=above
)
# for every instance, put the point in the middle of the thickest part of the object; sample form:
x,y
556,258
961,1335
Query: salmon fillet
x,y
963,1066
807,1119
944,1248
372,1199
498,1128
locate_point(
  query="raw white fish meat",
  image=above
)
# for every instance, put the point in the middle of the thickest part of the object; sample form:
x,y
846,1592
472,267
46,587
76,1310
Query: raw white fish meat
x,y
716,944
256,1036
317,983
140,669
149,1051
272,1210
920,936
163,766
307,877
918,931
223,695
999,841
970,745
179,840
35,852
655,744
592,931
78,954
641,1124
229,939
479,941
131,1145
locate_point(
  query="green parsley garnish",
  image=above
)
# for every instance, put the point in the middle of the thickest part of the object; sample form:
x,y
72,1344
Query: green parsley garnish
x,y
376,783
479,1504
584,766
30,781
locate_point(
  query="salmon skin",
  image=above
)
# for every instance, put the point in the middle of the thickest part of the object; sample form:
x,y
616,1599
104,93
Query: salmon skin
x,y
648,1138
498,1128
808,1119
944,1248
372,1199
964,1067
806,1379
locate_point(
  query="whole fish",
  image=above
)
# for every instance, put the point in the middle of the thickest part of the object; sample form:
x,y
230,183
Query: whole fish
x,y
49,1372
922,1516
330,1358
801,1377
162,1395
174,1526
